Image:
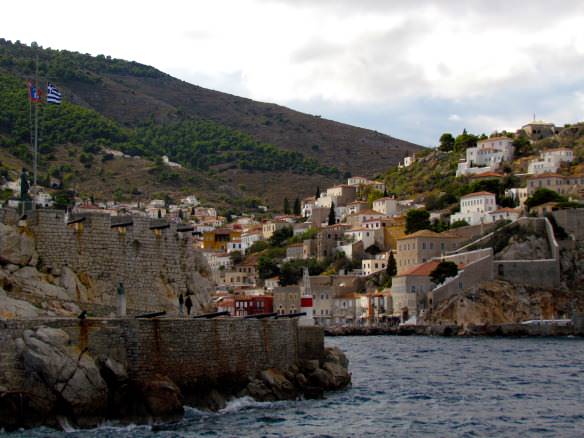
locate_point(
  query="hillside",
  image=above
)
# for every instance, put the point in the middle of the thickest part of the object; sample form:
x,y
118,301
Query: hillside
x,y
226,138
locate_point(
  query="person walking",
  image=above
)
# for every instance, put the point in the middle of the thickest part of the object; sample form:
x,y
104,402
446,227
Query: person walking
x,y
189,304
181,302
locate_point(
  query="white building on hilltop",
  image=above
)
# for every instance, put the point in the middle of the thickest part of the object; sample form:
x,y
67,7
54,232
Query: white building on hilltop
x,y
487,156
475,208
550,160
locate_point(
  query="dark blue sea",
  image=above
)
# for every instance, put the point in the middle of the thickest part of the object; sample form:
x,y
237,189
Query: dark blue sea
x,y
412,386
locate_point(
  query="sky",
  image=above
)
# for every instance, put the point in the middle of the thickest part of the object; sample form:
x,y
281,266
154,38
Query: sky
x,y
410,69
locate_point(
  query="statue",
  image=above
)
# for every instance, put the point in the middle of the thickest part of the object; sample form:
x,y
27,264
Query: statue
x,y
24,186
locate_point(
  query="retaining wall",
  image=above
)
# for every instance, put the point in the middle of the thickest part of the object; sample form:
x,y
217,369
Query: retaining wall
x,y
190,351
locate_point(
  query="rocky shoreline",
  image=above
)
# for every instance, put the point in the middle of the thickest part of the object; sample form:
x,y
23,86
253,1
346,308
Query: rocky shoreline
x,y
66,382
511,330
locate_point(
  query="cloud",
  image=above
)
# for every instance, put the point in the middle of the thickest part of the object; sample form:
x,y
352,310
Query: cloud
x,y
411,69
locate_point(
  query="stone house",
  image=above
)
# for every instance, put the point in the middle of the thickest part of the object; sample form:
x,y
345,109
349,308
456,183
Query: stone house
x,y
295,251
346,309
564,185
538,130
326,241
409,289
286,299
356,207
421,246
374,264
364,215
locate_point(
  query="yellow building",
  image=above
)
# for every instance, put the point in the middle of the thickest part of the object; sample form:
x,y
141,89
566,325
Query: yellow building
x,y
218,239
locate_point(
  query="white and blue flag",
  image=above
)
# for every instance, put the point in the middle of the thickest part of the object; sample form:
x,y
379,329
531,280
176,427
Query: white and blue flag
x,y
53,94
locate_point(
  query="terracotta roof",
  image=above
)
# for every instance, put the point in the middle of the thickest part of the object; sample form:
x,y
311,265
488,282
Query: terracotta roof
x,y
429,233
349,296
424,269
488,174
472,195
421,270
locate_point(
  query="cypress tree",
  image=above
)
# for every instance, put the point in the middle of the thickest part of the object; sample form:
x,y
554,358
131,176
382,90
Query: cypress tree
x,y
317,192
332,219
297,209
286,206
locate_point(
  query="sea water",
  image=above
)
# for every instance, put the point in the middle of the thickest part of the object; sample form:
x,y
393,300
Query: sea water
x,y
410,386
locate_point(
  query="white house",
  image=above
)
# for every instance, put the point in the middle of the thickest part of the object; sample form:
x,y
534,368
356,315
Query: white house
x,y
388,206
248,239
505,214
475,208
367,236
190,201
487,156
550,160
169,163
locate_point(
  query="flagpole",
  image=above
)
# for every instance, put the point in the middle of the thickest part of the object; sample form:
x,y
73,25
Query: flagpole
x,y
36,125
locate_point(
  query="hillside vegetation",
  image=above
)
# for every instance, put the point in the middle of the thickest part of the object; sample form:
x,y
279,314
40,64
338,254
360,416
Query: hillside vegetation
x,y
142,111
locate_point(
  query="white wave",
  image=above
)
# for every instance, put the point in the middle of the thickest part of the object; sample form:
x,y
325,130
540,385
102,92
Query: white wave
x,y
246,402
65,424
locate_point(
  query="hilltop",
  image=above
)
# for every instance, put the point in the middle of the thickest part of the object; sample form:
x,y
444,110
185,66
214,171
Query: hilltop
x,y
234,147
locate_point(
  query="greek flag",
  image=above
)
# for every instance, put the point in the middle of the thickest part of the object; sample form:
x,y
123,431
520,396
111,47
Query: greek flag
x,y
53,94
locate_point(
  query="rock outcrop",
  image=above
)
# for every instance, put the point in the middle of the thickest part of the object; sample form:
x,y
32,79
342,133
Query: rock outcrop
x,y
16,246
309,379
63,375
500,302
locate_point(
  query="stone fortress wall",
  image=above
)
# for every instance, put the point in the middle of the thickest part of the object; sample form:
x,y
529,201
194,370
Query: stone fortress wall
x,y
190,352
154,260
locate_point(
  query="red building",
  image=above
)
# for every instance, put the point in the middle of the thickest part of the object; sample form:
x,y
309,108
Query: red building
x,y
255,305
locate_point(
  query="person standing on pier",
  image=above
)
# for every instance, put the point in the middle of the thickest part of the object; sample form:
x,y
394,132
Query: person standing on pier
x,y
181,302
189,305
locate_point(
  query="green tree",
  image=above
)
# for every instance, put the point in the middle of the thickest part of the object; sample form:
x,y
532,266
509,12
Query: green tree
x,y
417,220
459,223
297,208
444,270
391,269
543,195
331,217
286,206
267,267
64,199
258,246
236,257
280,236
522,146
446,142
465,141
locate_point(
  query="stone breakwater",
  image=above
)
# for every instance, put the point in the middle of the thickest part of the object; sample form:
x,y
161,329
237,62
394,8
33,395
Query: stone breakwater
x,y
135,370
